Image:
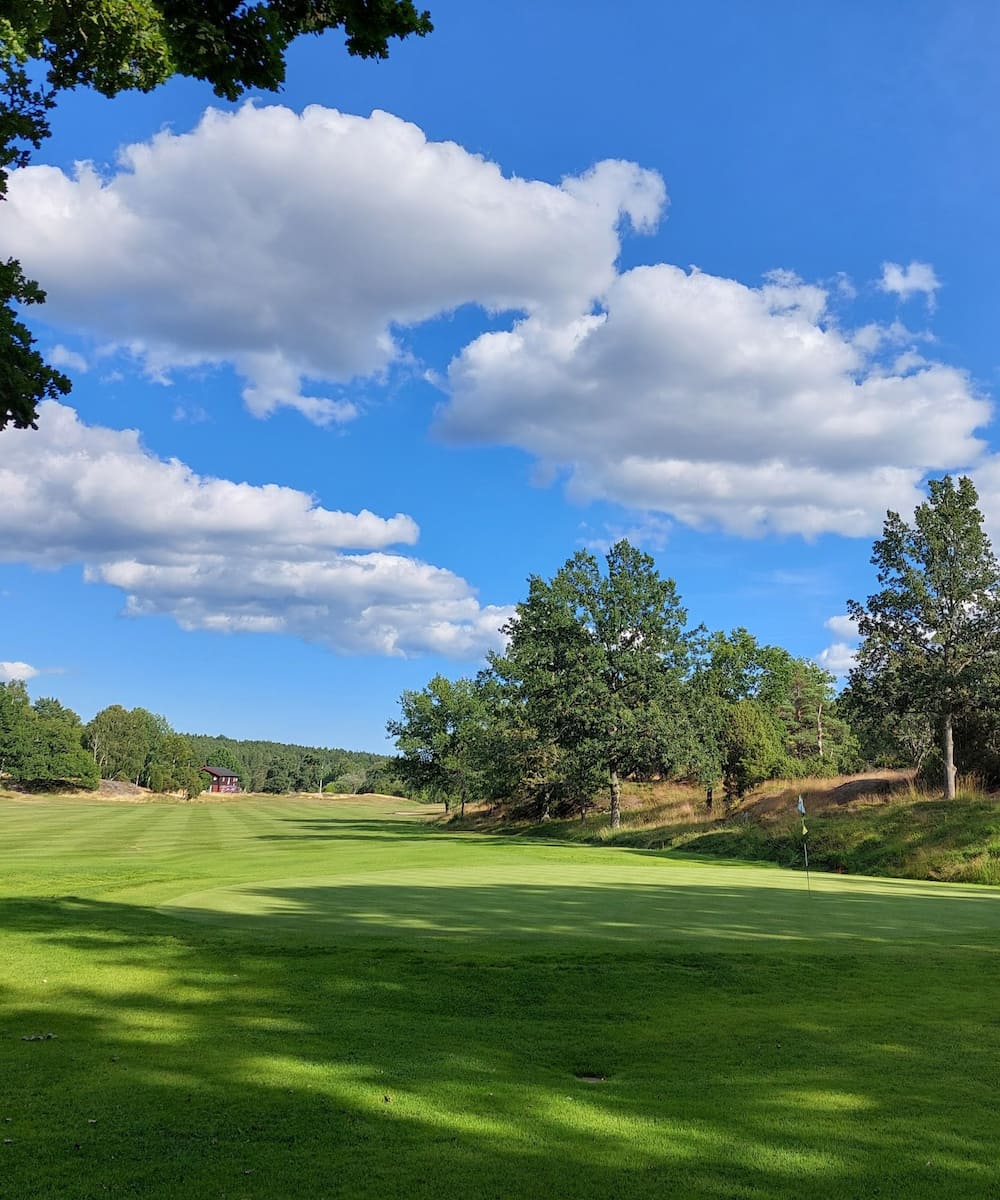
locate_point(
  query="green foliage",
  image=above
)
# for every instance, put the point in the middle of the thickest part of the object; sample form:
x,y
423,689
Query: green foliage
x,y
751,748
803,729
597,659
347,784
40,744
932,634
172,767
602,681
434,736
124,742
278,767
25,378
382,778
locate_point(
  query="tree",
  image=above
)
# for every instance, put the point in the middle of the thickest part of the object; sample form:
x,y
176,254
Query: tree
x,y
751,748
599,659
732,669
434,737
135,45
124,742
25,377
932,634
278,779
53,755
40,744
172,766
48,706
886,737
15,716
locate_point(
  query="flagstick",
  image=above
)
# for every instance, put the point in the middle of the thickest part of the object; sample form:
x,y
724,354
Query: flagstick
x,y
801,808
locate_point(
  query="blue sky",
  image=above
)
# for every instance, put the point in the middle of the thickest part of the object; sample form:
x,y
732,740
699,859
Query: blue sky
x,y
718,277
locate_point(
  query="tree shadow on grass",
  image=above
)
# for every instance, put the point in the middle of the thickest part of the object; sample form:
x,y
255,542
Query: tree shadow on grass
x,y
461,904
189,1061
346,829
322,828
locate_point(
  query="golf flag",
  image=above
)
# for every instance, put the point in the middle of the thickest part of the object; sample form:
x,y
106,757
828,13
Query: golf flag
x,y
805,848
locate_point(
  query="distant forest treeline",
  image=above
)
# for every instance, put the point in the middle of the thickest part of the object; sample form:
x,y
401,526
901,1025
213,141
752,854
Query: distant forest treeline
x,y
284,767
45,746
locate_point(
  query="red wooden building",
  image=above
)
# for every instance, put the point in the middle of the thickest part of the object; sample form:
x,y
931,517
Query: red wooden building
x,y
223,779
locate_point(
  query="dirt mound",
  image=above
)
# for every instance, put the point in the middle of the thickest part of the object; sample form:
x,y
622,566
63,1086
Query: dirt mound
x,y
117,789
821,794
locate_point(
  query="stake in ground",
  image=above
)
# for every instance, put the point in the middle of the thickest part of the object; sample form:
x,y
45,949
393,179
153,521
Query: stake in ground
x,y
280,999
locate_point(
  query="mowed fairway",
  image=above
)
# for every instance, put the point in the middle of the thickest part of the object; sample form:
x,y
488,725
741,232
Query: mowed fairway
x,y
328,999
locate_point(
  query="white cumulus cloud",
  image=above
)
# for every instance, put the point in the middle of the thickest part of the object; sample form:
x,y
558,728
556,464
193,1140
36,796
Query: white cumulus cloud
x,y
838,659
917,279
10,671
293,246
719,404
67,360
216,554
299,248
843,626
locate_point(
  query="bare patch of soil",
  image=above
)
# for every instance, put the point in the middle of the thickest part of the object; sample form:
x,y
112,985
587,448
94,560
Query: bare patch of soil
x,y
118,789
818,795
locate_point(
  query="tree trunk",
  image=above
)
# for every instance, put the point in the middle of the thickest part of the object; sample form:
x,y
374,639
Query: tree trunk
x,y
616,800
819,728
948,754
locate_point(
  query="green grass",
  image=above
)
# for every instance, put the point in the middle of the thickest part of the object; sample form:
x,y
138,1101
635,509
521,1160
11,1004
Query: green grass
x,y
295,999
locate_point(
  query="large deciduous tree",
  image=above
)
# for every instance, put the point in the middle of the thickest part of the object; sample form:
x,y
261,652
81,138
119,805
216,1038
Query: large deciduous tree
x,y
48,46
599,658
932,633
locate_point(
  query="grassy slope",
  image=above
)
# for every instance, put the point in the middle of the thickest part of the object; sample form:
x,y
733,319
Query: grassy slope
x,y
267,999
877,825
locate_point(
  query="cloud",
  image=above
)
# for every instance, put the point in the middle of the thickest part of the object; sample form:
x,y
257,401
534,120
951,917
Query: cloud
x,y
17,670
986,478
295,246
219,555
66,359
192,413
843,626
299,248
918,279
838,659
716,403
648,533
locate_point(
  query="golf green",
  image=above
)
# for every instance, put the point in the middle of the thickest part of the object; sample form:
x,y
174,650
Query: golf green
x,y
611,895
